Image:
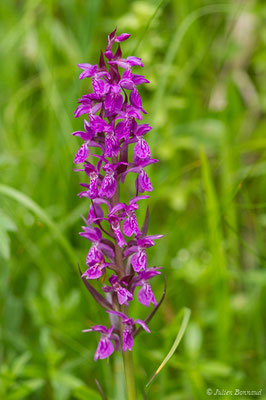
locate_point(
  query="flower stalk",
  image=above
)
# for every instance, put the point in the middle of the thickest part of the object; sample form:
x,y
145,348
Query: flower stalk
x,y
131,391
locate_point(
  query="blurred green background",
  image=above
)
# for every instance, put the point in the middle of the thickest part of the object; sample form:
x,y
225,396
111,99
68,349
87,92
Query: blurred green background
x,y
206,61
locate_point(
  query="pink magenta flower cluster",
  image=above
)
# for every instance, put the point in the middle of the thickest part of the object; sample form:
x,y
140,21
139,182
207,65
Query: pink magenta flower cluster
x,y
113,122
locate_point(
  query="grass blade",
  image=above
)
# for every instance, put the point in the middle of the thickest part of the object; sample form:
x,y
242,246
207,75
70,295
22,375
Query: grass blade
x,y
44,217
178,338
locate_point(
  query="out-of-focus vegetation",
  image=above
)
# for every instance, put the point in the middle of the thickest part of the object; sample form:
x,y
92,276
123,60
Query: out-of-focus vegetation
x,y
206,61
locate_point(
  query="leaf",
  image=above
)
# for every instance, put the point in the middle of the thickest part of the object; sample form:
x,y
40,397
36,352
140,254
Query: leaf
x,y
44,217
104,397
6,224
85,393
178,338
4,244
150,316
96,295
25,388
20,363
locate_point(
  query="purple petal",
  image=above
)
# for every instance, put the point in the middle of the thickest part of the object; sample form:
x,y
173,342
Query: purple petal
x,y
119,314
146,296
100,87
143,182
142,150
105,349
92,234
130,226
107,289
83,135
94,256
137,198
115,224
108,186
107,250
122,37
135,99
134,61
142,129
123,295
113,102
121,63
88,70
130,250
122,129
139,261
97,124
92,216
126,82
81,109
117,207
120,238
97,328
149,273
112,146
128,340
109,54
94,272
138,79
82,154
142,323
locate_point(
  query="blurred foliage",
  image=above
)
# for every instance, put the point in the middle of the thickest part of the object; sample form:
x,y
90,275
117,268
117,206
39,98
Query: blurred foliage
x,y
206,62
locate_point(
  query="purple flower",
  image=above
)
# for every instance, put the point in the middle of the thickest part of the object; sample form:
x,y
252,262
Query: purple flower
x,y
112,38
87,134
88,70
123,294
113,111
115,225
95,255
95,271
95,212
130,225
86,107
139,258
105,347
127,62
92,187
145,294
109,182
82,154
124,127
135,99
129,81
114,100
112,146
91,71
129,323
142,150
143,182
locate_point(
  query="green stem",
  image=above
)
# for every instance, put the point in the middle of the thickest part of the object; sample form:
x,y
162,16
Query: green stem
x,y
129,375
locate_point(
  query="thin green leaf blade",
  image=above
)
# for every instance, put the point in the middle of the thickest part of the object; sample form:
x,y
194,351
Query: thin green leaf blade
x,y
178,338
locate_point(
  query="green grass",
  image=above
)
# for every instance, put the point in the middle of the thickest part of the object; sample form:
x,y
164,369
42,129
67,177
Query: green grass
x,y
206,101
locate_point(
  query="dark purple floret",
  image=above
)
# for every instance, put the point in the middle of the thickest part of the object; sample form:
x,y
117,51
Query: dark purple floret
x,y
105,347
129,324
123,295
